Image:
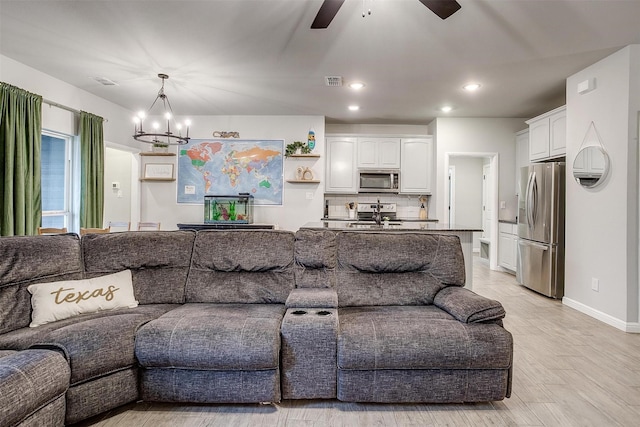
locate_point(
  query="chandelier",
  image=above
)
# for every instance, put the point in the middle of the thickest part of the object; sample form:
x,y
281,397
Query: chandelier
x,y
159,134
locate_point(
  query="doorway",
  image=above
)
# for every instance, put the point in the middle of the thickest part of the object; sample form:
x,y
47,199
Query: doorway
x,y
471,199
122,192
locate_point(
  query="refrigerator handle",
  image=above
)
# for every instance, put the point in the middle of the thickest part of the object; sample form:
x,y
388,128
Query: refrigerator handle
x,y
534,198
528,201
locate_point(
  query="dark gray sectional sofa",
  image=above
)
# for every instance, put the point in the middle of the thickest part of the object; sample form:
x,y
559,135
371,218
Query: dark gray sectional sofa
x,y
251,316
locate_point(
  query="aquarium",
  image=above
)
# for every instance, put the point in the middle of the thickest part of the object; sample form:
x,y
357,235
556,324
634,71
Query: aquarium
x,y
228,209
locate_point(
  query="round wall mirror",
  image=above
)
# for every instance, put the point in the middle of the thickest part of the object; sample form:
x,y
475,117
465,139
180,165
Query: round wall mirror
x,y
591,166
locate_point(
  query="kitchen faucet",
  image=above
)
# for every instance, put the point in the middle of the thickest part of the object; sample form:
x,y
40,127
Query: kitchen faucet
x,y
377,216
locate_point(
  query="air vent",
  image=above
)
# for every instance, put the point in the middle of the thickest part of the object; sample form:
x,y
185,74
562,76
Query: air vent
x,y
333,81
105,81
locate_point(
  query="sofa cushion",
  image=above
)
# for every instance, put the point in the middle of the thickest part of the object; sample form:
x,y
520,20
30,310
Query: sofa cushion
x,y
33,259
315,249
426,337
378,268
316,259
158,260
61,300
29,381
214,337
94,344
241,266
26,337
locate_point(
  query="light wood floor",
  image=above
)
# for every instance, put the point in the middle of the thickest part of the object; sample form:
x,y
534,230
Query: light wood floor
x,y
569,370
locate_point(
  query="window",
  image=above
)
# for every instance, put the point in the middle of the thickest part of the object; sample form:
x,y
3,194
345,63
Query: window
x,y
56,180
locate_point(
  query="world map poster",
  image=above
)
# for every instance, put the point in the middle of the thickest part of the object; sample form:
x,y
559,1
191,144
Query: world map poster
x,y
228,167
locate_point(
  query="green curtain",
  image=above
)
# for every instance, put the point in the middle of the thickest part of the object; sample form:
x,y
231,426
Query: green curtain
x,y
20,142
92,170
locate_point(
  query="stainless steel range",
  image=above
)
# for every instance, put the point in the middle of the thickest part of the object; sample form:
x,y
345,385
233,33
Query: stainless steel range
x,y
366,210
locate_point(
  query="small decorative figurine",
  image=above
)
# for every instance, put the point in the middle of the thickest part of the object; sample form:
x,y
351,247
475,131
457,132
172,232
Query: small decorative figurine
x,y
311,139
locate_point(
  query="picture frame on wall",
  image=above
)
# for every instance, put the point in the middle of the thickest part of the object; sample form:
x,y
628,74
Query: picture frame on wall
x,y
159,171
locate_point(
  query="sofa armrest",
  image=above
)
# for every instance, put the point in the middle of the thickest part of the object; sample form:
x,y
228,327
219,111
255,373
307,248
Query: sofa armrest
x,y
312,298
467,306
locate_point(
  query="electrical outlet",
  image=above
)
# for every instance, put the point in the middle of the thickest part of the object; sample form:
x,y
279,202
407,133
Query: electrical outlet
x,y
595,284
503,204
309,195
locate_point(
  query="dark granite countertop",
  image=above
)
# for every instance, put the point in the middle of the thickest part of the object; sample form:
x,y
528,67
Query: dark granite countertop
x,y
425,226
396,219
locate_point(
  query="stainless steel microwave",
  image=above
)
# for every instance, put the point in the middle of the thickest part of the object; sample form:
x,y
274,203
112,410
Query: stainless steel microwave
x,y
379,181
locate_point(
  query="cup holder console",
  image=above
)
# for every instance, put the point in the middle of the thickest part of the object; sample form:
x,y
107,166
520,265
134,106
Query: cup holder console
x,y
308,353
303,312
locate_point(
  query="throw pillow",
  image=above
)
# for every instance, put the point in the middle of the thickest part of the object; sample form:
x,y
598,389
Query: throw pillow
x,y
60,300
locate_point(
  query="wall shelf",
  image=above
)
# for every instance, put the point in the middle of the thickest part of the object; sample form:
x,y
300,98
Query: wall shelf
x,y
304,181
308,156
151,153
157,179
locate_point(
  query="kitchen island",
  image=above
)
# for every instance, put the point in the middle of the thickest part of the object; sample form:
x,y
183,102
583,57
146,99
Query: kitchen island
x,y
465,234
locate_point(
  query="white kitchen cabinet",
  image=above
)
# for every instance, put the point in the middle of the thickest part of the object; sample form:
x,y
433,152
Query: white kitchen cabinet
x,y
522,155
508,245
548,135
378,153
341,173
416,165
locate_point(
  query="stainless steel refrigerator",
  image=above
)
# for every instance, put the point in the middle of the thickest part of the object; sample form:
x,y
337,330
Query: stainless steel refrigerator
x,y
541,228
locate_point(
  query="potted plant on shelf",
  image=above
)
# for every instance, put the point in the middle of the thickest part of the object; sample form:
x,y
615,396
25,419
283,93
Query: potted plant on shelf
x,y
297,147
160,148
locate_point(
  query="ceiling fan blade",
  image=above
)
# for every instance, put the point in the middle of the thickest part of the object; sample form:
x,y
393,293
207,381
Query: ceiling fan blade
x,y
442,8
326,13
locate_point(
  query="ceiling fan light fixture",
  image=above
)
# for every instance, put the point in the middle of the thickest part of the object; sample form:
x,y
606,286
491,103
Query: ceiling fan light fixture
x,y
156,136
471,87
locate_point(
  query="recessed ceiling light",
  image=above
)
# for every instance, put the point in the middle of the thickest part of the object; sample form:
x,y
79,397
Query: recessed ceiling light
x,y
446,108
356,85
471,86
354,107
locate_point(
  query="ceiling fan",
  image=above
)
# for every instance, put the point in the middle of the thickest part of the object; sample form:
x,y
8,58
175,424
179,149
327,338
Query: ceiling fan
x,y
329,8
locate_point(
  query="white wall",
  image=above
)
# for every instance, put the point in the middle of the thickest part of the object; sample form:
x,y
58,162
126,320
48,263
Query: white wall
x,y
602,223
468,193
368,129
116,130
158,199
117,168
477,135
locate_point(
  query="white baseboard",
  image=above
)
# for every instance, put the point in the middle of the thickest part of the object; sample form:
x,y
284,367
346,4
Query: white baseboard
x,y
632,327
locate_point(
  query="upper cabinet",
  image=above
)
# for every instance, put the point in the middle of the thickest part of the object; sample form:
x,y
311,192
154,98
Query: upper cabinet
x,y
378,153
417,165
548,135
341,172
